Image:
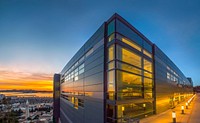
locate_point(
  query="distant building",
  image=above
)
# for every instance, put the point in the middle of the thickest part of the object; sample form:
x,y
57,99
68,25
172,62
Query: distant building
x,y
2,96
190,80
118,75
27,109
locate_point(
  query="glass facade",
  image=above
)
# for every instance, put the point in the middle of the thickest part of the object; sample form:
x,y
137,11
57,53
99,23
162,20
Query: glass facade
x,y
121,76
130,77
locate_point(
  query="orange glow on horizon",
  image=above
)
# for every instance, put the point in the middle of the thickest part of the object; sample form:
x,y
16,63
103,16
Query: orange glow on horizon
x,y
25,81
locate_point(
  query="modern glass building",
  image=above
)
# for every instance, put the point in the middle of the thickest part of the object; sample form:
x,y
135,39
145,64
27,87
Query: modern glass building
x,y
118,75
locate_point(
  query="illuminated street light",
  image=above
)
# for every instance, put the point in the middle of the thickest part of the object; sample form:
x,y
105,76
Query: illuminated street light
x,y
144,106
174,116
182,109
186,105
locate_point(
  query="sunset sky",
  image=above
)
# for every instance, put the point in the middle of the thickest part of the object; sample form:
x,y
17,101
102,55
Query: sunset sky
x,y
38,37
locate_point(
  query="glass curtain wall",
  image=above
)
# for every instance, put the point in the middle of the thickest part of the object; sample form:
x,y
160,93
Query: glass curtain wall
x,y
129,78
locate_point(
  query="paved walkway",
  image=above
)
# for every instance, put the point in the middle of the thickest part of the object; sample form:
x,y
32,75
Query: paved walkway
x,y
191,115
195,114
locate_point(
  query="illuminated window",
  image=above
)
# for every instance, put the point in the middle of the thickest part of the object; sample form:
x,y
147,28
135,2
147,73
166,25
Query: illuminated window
x,y
111,82
111,65
111,37
148,93
76,103
129,79
128,57
147,53
147,65
148,82
128,68
129,86
129,42
111,53
147,74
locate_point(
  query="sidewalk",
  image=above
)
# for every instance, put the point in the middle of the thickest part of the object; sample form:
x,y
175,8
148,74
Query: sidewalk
x,y
190,115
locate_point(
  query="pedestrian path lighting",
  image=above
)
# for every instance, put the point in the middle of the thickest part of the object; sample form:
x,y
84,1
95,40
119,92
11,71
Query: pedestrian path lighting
x,y
174,116
182,109
144,106
186,105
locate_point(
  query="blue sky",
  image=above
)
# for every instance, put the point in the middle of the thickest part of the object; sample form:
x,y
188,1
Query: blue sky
x,y
40,36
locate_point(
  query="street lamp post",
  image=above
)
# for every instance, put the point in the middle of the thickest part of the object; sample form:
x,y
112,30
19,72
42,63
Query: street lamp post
x,y
144,106
186,105
182,108
174,116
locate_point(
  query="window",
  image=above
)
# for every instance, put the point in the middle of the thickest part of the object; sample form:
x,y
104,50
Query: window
x,y
147,53
111,82
81,103
128,68
81,69
128,79
100,43
129,42
76,63
111,52
126,31
147,46
147,74
111,65
89,52
148,82
168,75
128,57
72,74
111,27
148,93
111,37
81,59
129,86
76,78
133,110
147,65
76,72
76,103
81,66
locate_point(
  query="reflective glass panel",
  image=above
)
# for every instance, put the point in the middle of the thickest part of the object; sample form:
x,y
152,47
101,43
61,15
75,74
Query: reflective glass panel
x,y
111,27
147,53
129,85
111,53
128,57
111,82
128,68
147,65
129,42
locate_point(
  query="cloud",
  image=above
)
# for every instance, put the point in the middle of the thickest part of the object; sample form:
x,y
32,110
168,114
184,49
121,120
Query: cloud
x,y
25,80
